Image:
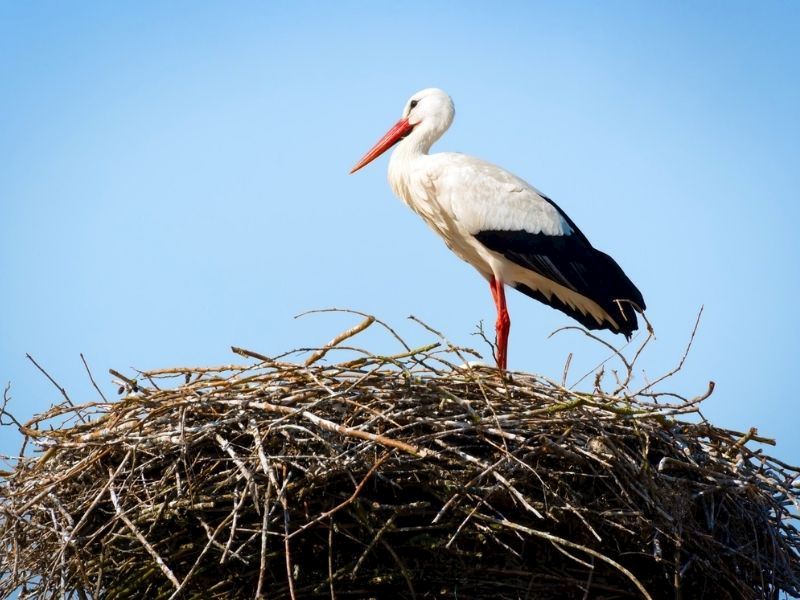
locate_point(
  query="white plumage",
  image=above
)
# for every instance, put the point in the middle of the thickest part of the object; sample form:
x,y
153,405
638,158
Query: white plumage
x,y
508,230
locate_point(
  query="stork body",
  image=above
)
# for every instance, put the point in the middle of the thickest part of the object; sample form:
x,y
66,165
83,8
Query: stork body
x,y
509,231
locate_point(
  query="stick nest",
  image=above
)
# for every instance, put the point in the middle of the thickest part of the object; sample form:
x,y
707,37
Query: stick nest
x,y
406,476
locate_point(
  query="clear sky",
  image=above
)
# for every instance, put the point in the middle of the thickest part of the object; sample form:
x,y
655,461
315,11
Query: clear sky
x,y
174,181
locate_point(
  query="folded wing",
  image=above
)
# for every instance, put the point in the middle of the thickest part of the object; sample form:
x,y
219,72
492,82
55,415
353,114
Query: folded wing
x,y
567,266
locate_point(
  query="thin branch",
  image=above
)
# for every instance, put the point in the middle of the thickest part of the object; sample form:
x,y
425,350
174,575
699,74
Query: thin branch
x,y
91,378
53,381
129,524
339,339
682,360
329,513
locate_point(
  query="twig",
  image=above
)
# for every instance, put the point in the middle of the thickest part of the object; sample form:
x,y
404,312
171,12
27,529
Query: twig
x,y
53,381
348,431
329,513
359,313
262,569
682,360
131,383
91,378
339,339
330,559
129,524
561,541
250,354
4,408
287,549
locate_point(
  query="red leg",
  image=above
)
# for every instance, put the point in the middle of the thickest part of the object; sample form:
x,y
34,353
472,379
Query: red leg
x,y
503,324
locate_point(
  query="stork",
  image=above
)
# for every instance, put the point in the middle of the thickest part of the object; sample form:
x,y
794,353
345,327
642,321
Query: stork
x,y
504,227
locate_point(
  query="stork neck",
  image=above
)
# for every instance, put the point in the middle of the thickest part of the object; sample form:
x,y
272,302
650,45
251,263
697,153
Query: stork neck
x,y
402,161
418,142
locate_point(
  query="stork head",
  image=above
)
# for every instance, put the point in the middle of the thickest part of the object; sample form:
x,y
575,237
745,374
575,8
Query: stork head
x,y
426,116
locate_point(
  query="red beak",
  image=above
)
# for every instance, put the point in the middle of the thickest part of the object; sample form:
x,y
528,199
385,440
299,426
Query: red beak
x,y
400,130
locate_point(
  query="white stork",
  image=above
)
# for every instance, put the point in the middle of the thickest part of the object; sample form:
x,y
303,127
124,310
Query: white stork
x,y
504,227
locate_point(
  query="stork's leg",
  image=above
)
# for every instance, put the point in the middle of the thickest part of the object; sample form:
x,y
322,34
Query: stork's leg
x,y
503,324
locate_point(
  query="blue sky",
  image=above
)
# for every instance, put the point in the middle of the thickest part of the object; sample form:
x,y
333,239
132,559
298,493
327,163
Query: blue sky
x,y
174,181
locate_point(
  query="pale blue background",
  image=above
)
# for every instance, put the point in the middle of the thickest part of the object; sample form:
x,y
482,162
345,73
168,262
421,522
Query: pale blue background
x,y
173,180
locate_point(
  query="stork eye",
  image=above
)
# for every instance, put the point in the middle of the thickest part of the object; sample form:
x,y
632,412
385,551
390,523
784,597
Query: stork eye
x,y
413,104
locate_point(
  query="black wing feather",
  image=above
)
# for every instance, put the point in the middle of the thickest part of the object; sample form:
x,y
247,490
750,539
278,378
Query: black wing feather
x,y
571,261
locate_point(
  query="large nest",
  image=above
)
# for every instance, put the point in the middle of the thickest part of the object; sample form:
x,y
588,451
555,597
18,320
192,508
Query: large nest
x,y
406,476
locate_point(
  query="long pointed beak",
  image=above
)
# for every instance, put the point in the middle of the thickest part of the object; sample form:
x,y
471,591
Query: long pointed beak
x,y
400,130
